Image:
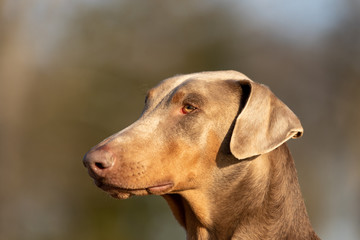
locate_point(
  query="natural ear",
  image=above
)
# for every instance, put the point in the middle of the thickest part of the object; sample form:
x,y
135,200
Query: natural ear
x,y
263,124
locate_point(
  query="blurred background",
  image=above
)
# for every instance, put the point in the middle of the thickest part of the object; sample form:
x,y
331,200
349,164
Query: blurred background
x,y
72,72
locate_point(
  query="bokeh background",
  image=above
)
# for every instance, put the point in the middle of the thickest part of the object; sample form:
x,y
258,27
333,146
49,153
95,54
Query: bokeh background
x,y
72,72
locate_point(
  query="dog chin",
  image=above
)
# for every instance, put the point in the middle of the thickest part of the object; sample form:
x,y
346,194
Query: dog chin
x,y
121,195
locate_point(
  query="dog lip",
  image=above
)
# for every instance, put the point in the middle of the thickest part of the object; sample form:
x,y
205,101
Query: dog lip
x,y
156,189
160,189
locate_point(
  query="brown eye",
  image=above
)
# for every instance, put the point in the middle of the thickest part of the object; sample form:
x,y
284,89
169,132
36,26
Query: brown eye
x,y
187,108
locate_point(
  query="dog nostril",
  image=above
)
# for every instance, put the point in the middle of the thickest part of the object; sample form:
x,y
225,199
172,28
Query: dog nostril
x,y
99,160
100,165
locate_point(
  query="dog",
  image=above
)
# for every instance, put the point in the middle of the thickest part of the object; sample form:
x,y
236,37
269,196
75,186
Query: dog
x,y
213,144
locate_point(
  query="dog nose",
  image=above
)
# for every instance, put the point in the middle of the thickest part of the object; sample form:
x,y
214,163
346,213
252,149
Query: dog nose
x,y
98,161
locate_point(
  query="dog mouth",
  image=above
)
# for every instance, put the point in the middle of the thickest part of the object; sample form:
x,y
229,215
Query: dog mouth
x,y
124,192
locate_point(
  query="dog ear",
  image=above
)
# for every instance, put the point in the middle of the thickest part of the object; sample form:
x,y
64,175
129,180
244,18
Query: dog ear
x,y
263,124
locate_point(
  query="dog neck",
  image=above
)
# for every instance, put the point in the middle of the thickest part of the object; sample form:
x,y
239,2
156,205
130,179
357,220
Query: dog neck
x,y
260,199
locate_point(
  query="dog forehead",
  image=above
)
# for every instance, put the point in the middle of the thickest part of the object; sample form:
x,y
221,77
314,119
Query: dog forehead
x,y
206,76
174,83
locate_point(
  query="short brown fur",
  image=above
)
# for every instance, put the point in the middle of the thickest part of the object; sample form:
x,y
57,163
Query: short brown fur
x,y
223,166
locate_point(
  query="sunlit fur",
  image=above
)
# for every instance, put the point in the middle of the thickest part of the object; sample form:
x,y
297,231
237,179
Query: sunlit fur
x,y
223,167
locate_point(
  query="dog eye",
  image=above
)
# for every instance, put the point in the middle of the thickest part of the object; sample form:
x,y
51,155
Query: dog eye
x,y
187,108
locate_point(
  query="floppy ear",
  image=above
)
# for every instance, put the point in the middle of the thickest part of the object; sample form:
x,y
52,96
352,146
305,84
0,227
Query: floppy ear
x,y
264,123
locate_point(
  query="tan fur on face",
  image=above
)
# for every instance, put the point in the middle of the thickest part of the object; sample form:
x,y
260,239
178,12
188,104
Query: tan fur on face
x,y
223,167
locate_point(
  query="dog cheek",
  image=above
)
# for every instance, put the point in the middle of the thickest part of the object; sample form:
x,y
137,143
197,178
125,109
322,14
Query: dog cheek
x,y
212,146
